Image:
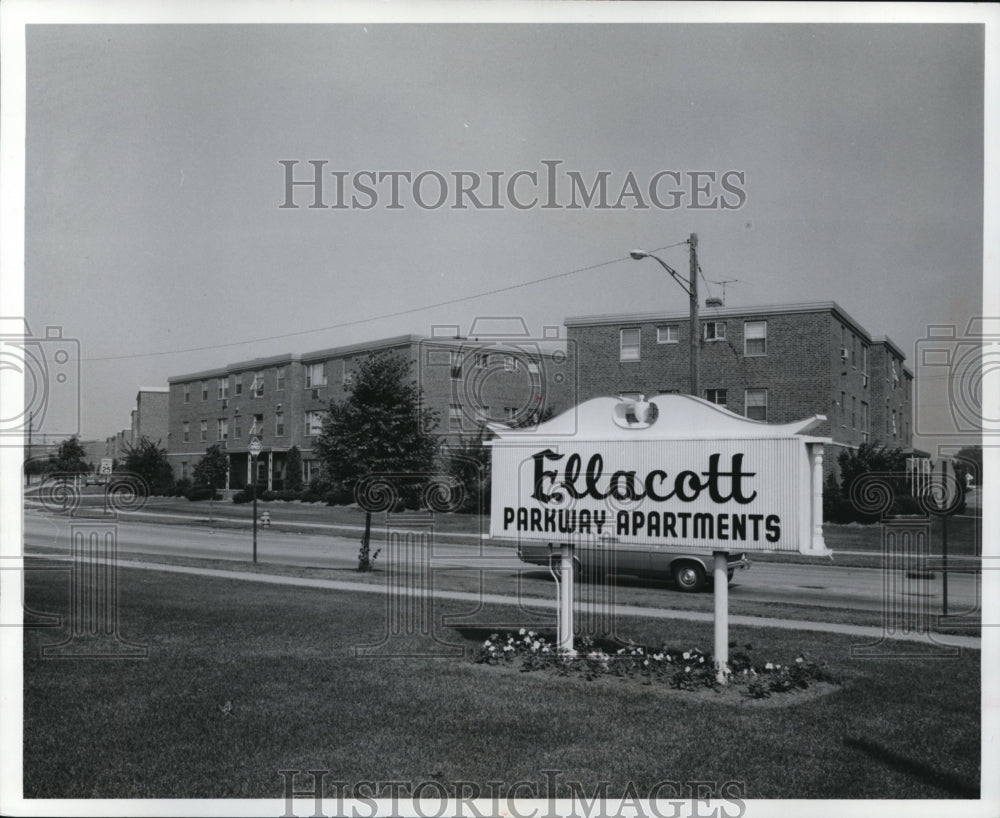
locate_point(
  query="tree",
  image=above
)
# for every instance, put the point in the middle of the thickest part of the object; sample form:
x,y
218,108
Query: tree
x,y
469,462
380,428
148,461
210,473
872,457
969,461
70,458
293,470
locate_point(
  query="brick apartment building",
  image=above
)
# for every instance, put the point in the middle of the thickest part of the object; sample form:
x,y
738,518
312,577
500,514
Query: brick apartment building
x,y
776,363
282,399
150,416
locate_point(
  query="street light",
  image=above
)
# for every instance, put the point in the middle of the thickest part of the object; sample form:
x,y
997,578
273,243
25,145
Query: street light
x,y
691,288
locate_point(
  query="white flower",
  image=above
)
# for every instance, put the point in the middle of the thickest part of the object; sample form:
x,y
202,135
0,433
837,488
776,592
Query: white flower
x,y
701,659
522,631
687,669
798,661
487,643
768,666
536,645
658,657
531,634
687,655
646,662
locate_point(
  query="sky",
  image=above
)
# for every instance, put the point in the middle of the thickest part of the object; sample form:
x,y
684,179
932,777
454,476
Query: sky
x,y
155,236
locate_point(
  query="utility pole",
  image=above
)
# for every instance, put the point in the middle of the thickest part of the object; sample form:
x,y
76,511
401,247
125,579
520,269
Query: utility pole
x,y
695,329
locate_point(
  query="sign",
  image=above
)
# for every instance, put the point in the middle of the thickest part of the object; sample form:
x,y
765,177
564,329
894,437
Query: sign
x,y
254,446
676,472
105,465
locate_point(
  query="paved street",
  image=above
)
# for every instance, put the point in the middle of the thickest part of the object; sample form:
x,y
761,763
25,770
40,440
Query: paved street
x,y
821,584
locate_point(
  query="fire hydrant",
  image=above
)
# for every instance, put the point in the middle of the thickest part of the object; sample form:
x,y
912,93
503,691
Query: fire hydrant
x,y
265,519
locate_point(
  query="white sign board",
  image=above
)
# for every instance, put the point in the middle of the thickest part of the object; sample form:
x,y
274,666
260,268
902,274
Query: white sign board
x,y
254,446
106,465
696,476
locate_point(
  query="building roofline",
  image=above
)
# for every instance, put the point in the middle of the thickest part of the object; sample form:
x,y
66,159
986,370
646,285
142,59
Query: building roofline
x,y
393,342
885,339
154,389
732,312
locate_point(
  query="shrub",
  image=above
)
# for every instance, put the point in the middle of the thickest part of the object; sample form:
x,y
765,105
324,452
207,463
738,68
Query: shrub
x,y
202,493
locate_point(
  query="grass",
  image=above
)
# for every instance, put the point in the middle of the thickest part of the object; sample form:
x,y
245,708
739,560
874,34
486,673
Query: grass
x,y
299,699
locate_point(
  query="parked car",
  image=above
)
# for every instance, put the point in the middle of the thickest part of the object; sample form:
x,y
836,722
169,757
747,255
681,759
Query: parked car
x,y
689,571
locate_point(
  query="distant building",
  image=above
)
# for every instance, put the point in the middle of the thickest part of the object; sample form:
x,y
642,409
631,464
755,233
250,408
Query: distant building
x,y
282,399
774,363
150,418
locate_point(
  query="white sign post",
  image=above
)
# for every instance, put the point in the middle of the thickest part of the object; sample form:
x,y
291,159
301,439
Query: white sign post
x,y
676,472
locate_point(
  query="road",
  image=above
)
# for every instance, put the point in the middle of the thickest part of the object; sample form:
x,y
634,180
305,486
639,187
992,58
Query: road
x,y
821,584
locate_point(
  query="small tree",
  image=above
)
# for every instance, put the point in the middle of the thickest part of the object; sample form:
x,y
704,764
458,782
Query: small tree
x,y
969,462
70,458
293,470
380,428
470,462
148,461
210,472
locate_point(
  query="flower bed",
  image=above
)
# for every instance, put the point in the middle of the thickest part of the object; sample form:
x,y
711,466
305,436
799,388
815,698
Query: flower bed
x,y
690,669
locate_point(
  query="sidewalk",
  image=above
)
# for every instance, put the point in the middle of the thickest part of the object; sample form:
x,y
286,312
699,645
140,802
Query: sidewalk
x,y
874,634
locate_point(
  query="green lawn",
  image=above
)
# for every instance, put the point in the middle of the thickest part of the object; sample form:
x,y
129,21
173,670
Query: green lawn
x,y
299,699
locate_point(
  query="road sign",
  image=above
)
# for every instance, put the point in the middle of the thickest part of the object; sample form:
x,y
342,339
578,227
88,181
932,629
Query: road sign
x,y
255,446
105,465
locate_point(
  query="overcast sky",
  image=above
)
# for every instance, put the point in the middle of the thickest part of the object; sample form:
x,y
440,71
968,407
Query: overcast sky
x,y
155,234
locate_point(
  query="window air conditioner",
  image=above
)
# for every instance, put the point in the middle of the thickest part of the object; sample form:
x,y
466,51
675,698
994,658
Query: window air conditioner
x,y
315,394
844,354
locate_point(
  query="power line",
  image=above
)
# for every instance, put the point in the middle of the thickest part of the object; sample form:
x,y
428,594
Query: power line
x,y
357,321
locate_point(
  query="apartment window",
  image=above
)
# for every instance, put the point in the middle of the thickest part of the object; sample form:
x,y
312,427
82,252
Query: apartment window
x,y
482,414
454,417
864,364
629,345
187,393
314,423
893,422
864,421
895,375
237,385
510,414
204,430
854,350
186,428
315,376
257,386
509,363
237,429
755,338
279,424
310,470
854,413
534,372
204,390
755,401
279,378
456,366
184,470
717,396
715,330
223,388
222,429
348,379
257,427
667,335
843,408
